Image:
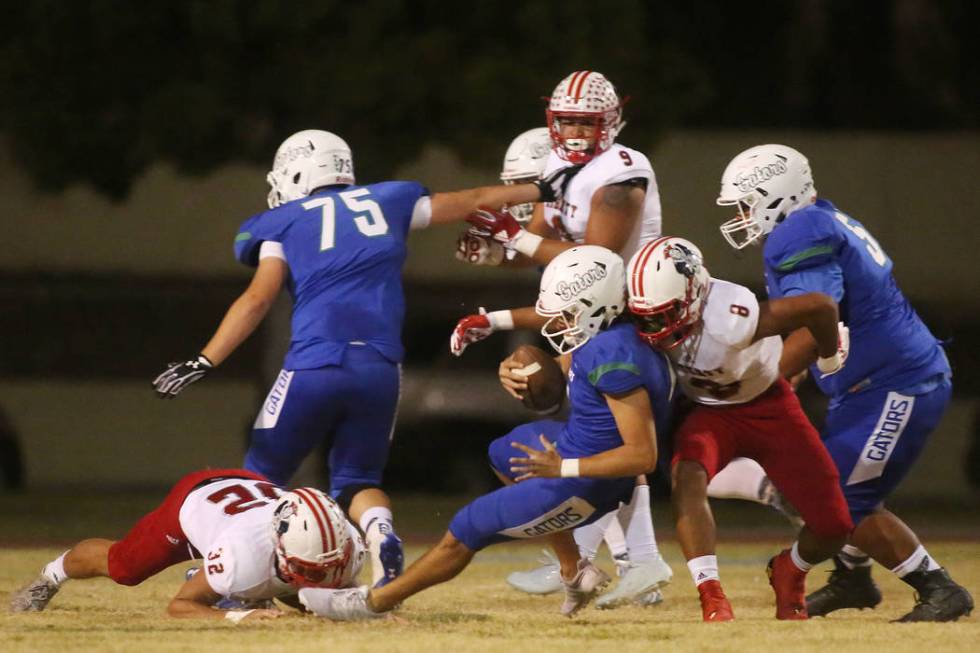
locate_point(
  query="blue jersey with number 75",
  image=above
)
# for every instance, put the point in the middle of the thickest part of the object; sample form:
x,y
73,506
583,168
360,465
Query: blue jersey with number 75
x,y
819,248
345,247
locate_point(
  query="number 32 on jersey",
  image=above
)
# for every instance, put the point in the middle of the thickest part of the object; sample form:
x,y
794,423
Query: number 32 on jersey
x,y
368,217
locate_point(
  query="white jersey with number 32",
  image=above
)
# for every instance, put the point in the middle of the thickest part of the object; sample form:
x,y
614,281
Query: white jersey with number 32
x,y
719,364
617,164
230,523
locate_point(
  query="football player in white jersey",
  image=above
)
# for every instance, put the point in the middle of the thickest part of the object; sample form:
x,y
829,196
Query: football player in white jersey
x,y
726,346
257,541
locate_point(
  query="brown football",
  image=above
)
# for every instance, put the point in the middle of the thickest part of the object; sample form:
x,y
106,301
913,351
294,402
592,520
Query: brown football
x,y
545,382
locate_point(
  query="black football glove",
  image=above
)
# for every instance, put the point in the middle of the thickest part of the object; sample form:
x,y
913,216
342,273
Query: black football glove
x,y
554,185
178,376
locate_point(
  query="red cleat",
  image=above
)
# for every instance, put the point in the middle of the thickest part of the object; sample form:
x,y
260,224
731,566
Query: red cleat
x,y
714,603
789,584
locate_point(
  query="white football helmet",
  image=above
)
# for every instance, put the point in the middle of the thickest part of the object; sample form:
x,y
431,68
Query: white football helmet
x,y
766,183
525,162
587,95
667,283
308,160
581,293
313,545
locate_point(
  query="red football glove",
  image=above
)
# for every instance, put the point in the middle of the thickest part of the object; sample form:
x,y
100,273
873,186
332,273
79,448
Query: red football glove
x,y
504,228
472,328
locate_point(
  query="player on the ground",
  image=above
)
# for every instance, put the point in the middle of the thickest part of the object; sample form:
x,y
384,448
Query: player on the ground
x,y
892,392
620,393
339,248
257,542
725,348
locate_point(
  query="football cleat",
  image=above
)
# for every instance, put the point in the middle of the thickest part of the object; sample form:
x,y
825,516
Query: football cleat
x,y
789,584
639,580
650,599
339,605
846,588
392,558
714,603
545,579
579,591
939,597
35,596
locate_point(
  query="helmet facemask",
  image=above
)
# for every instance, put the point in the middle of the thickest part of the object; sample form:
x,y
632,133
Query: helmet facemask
x,y
744,223
525,211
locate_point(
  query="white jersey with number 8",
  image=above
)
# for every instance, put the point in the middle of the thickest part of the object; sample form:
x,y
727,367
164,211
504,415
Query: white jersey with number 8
x,y
718,363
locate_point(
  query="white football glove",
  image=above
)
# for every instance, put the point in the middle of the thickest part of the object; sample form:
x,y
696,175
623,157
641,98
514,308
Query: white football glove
x,y
478,248
835,363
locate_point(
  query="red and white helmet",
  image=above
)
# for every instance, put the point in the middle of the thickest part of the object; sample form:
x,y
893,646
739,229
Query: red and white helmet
x,y
666,282
313,545
581,293
588,95
308,160
766,183
525,162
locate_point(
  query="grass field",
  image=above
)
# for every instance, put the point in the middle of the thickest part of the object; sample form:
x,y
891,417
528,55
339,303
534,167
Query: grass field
x,y
475,612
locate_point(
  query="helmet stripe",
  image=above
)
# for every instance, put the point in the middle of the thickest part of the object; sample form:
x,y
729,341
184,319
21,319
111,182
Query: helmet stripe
x,y
637,275
575,87
320,513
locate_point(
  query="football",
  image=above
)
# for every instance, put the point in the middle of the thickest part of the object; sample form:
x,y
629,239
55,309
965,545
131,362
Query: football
x,y
545,382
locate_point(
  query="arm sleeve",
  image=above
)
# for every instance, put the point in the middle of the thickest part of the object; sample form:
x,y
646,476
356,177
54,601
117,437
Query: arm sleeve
x,y
422,213
271,249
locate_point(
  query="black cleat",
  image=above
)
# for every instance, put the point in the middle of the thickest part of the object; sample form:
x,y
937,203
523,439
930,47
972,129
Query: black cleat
x,y
846,588
938,597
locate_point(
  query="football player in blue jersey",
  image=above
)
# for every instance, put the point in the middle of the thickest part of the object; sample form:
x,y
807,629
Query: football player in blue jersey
x,y
892,391
569,474
339,248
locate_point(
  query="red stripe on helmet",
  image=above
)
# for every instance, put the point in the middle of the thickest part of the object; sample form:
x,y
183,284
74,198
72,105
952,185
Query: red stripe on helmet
x,y
321,515
578,81
637,277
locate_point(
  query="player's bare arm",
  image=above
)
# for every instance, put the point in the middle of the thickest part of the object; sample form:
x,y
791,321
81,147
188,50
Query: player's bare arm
x,y
195,600
815,313
248,311
456,205
637,455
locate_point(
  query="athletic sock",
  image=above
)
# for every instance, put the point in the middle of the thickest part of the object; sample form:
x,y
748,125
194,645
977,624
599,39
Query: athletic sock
x,y
794,555
853,557
641,541
589,537
920,560
703,568
742,478
376,522
615,539
55,570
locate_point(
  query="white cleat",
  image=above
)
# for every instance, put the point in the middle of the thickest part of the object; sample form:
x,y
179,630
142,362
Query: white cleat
x,y
639,581
34,597
579,591
545,579
339,605
650,599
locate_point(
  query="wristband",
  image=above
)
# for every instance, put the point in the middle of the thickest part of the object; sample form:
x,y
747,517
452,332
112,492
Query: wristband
x,y
526,243
829,364
234,616
501,320
204,360
569,467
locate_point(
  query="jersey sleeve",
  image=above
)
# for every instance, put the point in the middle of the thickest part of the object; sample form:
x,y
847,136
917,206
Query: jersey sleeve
x,y
219,567
610,366
399,202
808,239
253,232
731,314
623,164
827,278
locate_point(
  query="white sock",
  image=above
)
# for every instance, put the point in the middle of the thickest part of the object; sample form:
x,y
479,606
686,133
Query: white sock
x,y
914,561
55,570
589,537
376,523
615,539
703,568
641,541
739,479
794,555
853,557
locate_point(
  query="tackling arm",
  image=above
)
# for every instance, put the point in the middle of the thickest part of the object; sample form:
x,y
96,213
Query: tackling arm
x,y
814,311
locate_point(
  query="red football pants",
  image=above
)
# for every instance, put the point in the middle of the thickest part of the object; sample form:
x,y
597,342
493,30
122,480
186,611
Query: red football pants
x,y
772,430
157,541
